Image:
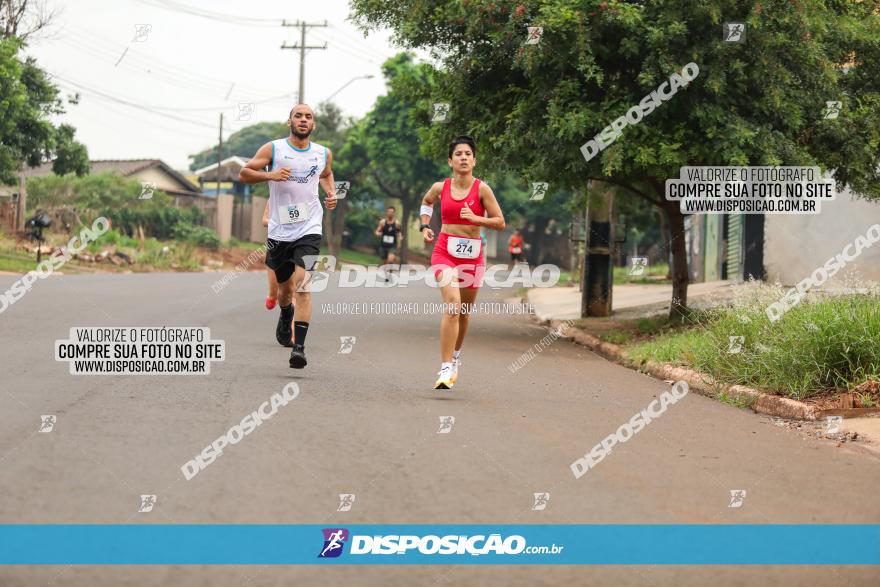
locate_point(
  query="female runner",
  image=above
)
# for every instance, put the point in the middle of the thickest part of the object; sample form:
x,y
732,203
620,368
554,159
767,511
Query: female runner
x,y
458,259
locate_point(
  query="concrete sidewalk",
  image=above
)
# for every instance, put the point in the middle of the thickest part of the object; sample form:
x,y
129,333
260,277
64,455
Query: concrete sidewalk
x,y
629,300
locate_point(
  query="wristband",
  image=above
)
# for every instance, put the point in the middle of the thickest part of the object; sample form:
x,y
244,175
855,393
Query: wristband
x,y
422,227
426,211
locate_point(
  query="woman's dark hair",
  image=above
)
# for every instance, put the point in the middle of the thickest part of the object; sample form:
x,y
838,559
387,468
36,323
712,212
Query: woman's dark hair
x,y
465,140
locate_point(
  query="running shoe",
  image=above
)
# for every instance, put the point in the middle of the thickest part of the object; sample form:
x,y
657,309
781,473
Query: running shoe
x,y
284,330
270,303
444,380
456,363
298,357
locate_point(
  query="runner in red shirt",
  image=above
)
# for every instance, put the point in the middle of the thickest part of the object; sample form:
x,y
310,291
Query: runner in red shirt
x,y
515,246
458,260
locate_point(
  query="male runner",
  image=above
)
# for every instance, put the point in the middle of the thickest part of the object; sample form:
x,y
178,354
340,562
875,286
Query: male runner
x,y
296,167
388,230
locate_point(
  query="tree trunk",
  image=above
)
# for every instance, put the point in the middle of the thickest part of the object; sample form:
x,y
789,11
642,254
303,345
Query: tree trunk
x,y
404,229
536,240
664,232
334,226
678,308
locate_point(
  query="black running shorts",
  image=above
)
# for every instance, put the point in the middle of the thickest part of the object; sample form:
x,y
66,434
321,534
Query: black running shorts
x,y
283,256
384,251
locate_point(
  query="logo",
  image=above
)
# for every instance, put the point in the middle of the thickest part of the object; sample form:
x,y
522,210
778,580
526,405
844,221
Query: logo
x,y
441,112
141,32
832,109
303,178
147,188
734,32
341,189
316,281
346,344
346,500
245,111
541,500
539,190
446,423
737,497
147,503
638,265
832,424
334,540
47,423
534,35
735,344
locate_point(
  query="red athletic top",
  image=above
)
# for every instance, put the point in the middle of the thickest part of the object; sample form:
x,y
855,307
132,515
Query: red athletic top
x,y
516,242
450,208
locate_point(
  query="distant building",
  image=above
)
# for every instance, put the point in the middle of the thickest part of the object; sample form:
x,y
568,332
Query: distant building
x,y
229,184
782,248
156,171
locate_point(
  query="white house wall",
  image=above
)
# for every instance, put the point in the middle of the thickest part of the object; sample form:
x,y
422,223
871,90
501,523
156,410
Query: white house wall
x,y
795,246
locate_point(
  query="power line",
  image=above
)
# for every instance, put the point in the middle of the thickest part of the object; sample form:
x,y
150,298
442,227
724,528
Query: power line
x,y
174,134
359,41
95,42
211,15
216,108
128,103
350,50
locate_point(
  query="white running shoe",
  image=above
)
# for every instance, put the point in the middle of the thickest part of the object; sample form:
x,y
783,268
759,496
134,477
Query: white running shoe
x,y
444,379
456,363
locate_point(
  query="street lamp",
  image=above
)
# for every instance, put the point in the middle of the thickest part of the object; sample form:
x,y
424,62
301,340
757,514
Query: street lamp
x,y
348,83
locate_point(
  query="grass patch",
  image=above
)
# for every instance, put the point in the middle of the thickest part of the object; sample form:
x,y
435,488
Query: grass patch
x,y
355,257
819,347
679,348
234,243
652,275
625,332
617,336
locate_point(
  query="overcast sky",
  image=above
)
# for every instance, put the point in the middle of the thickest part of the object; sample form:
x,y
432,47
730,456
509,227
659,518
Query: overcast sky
x,y
180,69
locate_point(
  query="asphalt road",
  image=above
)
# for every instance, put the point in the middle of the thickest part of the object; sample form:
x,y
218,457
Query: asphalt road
x,y
366,423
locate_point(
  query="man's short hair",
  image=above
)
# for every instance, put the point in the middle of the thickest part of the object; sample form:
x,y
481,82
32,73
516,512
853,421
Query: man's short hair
x,y
297,106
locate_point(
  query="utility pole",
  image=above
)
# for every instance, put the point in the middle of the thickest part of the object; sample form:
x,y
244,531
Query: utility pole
x,y
598,265
219,154
302,52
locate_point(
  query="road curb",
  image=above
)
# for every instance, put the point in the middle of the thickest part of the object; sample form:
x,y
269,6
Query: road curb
x,y
762,403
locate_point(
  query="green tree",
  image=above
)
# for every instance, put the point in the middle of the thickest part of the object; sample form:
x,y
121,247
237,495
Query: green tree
x,y
756,103
351,163
26,97
70,156
27,137
243,143
392,143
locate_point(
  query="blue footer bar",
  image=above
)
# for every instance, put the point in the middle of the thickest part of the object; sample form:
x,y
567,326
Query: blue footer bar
x,y
543,544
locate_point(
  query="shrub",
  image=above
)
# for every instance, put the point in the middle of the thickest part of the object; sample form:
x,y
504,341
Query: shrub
x,y
198,235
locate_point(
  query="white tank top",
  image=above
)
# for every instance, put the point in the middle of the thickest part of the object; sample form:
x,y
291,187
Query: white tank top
x,y
294,207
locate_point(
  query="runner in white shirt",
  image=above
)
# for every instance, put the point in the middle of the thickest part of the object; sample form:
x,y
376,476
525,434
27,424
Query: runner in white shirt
x,y
296,167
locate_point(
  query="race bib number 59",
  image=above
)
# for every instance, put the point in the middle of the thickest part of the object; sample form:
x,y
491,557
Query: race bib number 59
x,y
293,213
